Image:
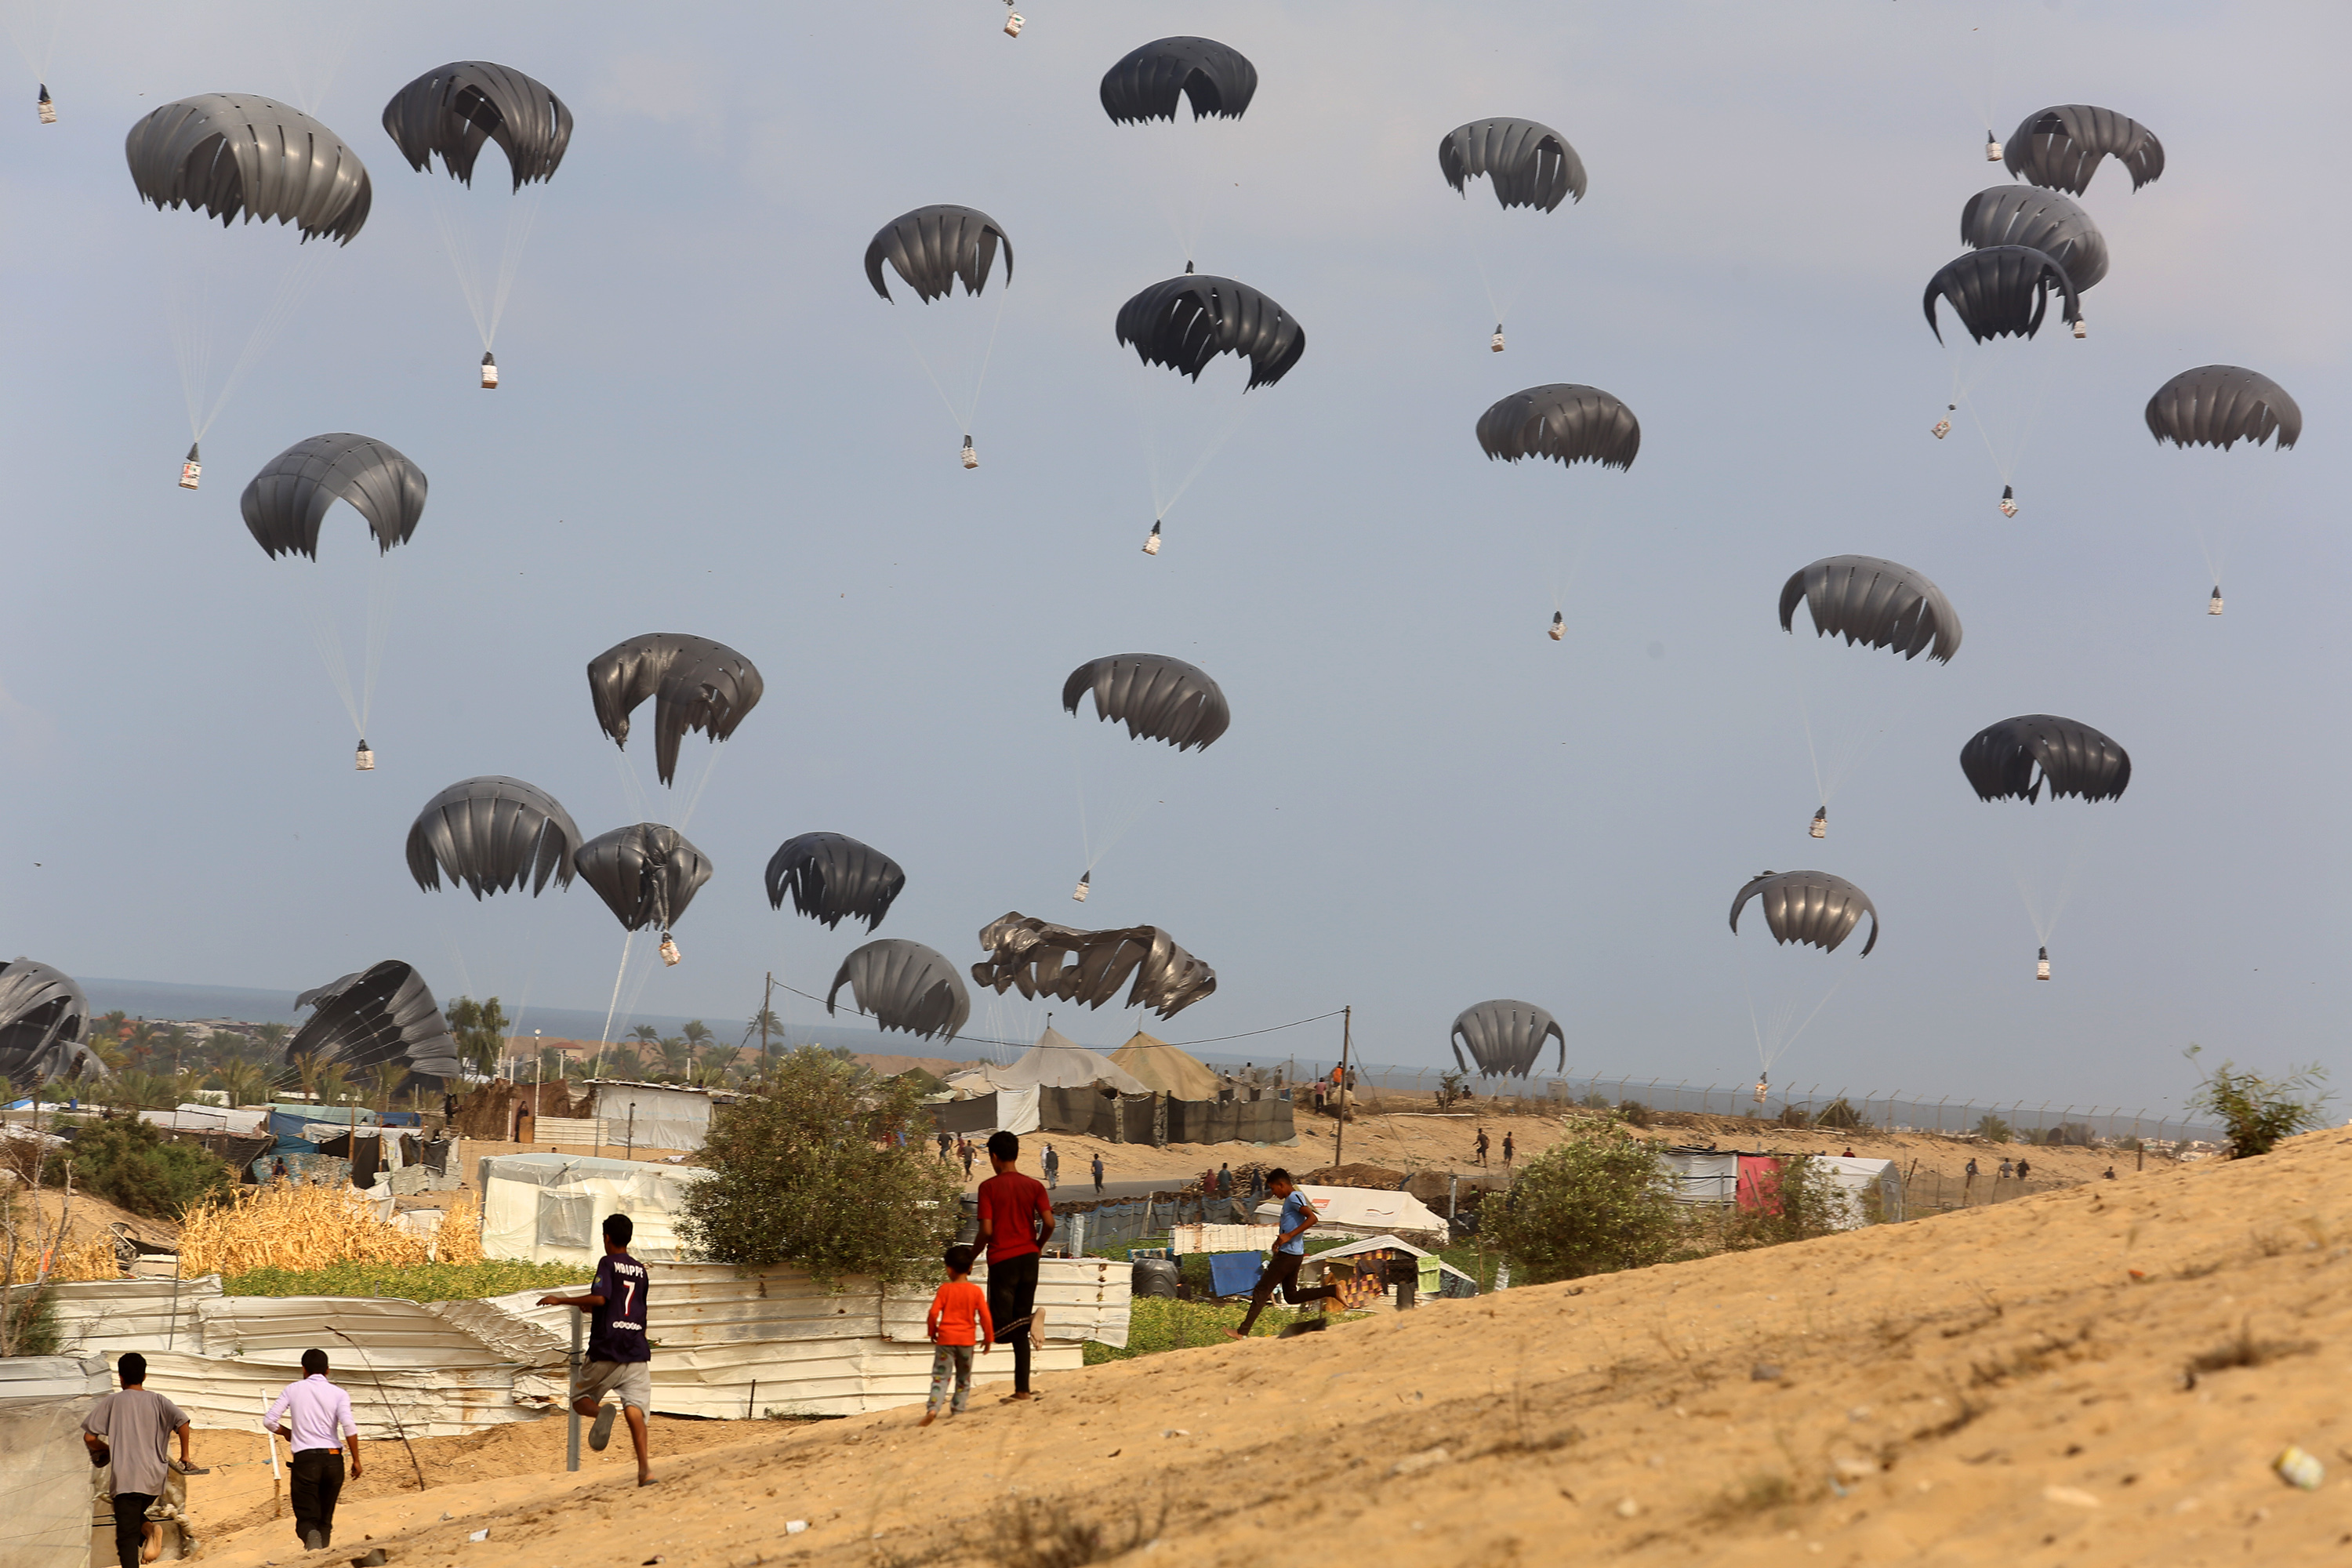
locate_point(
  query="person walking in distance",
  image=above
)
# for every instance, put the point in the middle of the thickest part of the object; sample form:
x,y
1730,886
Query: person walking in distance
x,y
955,1307
1479,1153
618,1356
317,1425
1053,1167
1098,1175
2022,1166
132,1430
1289,1251
2005,1172
1509,1149
943,1145
1017,1220
1225,1181
966,1149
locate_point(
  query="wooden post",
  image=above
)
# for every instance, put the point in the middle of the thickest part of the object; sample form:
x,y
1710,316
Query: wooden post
x,y
571,1399
1340,1145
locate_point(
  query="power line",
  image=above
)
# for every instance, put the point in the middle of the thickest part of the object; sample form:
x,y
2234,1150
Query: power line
x,y
983,1041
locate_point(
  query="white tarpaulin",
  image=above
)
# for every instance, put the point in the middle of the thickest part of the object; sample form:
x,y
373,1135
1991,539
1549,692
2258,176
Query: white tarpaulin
x,y
650,1116
1056,1061
45,1473
1871,1184
550,1208
1362,1212
1702,1177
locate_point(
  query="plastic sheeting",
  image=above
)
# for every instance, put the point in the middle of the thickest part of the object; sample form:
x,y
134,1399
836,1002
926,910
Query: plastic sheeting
x,y
644,1116
1363,1212
550,1208
44,1479
1264,1120
1005,1110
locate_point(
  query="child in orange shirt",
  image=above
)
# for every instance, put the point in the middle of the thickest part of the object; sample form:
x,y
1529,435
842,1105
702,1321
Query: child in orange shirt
x,y
953,1310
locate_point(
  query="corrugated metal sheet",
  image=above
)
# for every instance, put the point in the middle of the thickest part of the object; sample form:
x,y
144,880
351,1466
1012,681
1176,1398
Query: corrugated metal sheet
x,y
229,1391
107,1317
1188,1239
26,1379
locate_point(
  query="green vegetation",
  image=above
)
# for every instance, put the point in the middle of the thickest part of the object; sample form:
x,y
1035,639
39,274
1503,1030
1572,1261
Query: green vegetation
x,y
1839,1114
136,1166
1593,1203
1994,1130
2258,1112
480,1029
1156,1324
410,1281
1812,1203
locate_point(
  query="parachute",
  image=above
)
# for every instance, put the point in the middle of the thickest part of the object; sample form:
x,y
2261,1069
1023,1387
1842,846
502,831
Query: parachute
x,y
2016,758
1809,907
454,109
1564,422
1873,603
491,833
2040,220
696,684
1190,319
932,247
1529,166
382,1015
1155,696
1145,84
2060,147
1505,1037
236,155
285,502
904,985
1028,953
832,877
646,874
2221,405
2000,290
44,1017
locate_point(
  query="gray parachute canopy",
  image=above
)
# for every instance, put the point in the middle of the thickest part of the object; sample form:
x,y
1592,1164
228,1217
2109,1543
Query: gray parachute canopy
x,y
2219,405
1505,1037
455,108
285,502
490,834
1809,907
1144,85
384,1014
696,684
1529,166
2060,147
832,878
904,985
1190,319
1875,603
233,155
2016,758
646,874
43,1019
932,247
1565,422
2003,291
1154,695
2040,220
1028,953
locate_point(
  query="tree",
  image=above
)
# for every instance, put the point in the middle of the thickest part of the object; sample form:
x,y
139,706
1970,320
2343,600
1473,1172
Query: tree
x,y
1591,1203
246,1084
133,1165
2257,1111
1839,1114
387,1078
1994,1130
1449,1086
480,1029
764,1024
1804,1202
677,1056
645,1034
825,1168
697,1033
271,1037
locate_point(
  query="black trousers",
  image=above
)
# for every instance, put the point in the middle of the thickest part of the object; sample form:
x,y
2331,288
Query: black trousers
x,y
1012,1297
1283,1271
317,1482
130,1526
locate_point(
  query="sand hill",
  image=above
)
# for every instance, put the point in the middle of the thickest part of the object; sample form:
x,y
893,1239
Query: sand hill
x,y
2095,1375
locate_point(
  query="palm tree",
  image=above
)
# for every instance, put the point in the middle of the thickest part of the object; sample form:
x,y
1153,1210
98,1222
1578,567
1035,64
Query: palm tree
x,y
677,1055
272,1036
646,1032
246,1084
388,1077
696,1032
763,1023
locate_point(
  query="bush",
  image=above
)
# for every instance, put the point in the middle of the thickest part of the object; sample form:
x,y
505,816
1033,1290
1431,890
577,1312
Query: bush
x,y
408,1282
133,1165
828,1167
1994,1130
1635,1113
1812,1202
1841,1115
2257,1111
1794,1116
1593,1203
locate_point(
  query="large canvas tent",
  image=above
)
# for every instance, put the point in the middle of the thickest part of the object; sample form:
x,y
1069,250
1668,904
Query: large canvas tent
x,y
1056,1061
1170,1069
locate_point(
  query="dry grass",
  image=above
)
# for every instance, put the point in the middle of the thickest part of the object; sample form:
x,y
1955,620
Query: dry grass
x,y
460,1239
293,1227
92,1257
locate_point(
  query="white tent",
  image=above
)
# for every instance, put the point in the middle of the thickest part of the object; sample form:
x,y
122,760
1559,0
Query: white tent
x,y
1865,1179
1056,1061
550,1208
1362,1212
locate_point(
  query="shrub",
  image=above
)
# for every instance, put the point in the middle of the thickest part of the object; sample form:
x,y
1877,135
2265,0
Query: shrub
x,y
2257,1111
134,1166
1595,1202
1841,1115
1635,1113
830,1168
1994,1130
1794,1116
1812,1203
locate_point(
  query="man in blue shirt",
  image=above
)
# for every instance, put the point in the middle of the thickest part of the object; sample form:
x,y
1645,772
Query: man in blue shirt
x,y
1289,1251
619,1357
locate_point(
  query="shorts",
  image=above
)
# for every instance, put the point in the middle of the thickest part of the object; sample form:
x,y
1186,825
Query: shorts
x,y
631,1381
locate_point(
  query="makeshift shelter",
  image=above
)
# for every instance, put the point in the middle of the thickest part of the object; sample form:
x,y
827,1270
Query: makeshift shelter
x,y
1364,1212
43,1400
655,1115
989,1111
1753,1181
1438,1279
550,1208
1056,1061
1170,1069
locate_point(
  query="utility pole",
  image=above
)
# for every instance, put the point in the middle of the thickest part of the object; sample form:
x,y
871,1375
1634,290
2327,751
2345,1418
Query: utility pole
x,y
1340,1145
767,1002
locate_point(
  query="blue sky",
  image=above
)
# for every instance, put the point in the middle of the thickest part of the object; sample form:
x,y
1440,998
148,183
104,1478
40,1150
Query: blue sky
x,y
710,424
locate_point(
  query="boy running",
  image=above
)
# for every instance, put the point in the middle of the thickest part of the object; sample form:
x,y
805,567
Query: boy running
x,y
1299,1217
954,1308
618,1355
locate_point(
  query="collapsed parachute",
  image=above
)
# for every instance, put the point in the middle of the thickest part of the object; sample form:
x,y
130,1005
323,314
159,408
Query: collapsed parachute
x,y
2060,147
932,247
1809,907
455,109
1190,319
2002,291
1145,84
43,1019
2219,405
490,834
1028,953
1155,696
1564,422
904,985
832,878
2038,220
1874,603
2016,758
234,154
286,502
646,874
1505,1037
696,684
1529,166
382,1015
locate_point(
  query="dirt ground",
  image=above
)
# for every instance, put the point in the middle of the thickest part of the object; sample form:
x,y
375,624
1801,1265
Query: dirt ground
x,y
2097,1376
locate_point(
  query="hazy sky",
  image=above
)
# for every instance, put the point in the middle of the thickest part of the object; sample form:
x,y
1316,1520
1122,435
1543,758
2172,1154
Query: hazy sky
x,y
710,424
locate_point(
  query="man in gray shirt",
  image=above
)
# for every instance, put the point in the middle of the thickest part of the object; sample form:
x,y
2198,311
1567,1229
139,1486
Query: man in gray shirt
x,y
132,1430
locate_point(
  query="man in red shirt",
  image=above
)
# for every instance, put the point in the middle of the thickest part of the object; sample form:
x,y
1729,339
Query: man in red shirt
x,y
1017,1220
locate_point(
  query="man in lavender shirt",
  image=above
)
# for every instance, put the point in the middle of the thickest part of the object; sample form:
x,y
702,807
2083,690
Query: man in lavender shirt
x,y
317,1425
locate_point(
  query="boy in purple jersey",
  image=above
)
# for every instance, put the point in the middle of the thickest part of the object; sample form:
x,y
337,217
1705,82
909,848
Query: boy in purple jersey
x,y
618,1355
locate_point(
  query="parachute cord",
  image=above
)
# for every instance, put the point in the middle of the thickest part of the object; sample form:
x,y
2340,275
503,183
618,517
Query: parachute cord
x,y
310,86
522,217
457,957
700,784
193,339
972,414
383,593
328,638
1805,713
459,246
961,424
1232,422
632,788
606,1037
41,51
